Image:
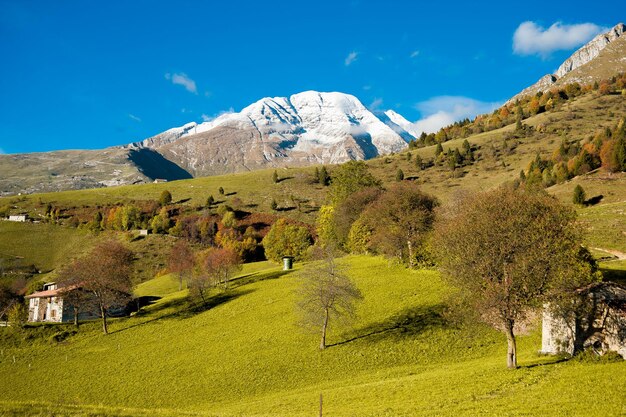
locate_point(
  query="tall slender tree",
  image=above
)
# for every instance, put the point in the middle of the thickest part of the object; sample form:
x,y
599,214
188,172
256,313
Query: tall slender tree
x,y
326,294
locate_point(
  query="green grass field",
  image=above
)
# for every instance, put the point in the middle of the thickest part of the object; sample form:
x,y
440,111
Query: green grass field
x,y
245,356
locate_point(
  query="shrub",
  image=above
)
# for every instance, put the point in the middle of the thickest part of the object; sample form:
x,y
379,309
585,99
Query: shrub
x,y
165,198
579,195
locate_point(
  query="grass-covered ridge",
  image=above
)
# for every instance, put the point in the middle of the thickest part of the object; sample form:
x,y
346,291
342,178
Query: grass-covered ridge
x,y
246,356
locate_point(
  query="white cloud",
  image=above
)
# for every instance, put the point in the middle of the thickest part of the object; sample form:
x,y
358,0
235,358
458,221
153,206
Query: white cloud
x,y
135,118
441,111
375,104
414,54
532,39
207,118
367,87
184,80
352,56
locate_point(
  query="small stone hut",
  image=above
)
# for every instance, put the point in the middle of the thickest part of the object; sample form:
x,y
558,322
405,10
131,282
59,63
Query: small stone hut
x,y
602,329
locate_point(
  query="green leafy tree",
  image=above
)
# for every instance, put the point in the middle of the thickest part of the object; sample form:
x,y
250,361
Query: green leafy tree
x,y
165,198
348,211
17,314
229,219
326,225
399,175
221,190
161,223
509,251
210,201
359,237
349,178
286,239
400,221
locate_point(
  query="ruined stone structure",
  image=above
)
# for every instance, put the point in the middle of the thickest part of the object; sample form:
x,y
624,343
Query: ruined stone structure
x,y
602,327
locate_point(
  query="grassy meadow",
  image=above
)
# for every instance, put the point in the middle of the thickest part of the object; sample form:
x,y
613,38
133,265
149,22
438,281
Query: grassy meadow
x,y
246,355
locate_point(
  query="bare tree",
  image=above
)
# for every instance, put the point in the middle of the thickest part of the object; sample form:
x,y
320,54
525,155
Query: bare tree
x,y
508,251
180,261
105,272
326,293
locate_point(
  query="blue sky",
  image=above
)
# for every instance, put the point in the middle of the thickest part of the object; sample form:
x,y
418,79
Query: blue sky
x,y
87,75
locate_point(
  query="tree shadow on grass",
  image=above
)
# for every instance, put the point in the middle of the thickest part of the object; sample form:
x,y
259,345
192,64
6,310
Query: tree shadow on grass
x,y
256,277
614,275
210,303
185,309
408,323
553,361
594,200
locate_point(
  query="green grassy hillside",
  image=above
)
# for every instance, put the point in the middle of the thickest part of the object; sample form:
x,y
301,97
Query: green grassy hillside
x,y
245,356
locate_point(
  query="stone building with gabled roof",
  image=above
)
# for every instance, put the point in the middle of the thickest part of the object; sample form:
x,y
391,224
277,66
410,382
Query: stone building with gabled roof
x,y
48,306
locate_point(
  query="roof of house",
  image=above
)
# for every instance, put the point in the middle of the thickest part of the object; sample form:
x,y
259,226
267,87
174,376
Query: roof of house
x,y
44,294
51,293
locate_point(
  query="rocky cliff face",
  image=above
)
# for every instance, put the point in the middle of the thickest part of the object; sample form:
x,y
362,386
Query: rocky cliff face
x,y
600,58
589,51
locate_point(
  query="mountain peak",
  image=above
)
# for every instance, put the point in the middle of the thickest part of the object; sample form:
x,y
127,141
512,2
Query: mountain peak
x,y
304,128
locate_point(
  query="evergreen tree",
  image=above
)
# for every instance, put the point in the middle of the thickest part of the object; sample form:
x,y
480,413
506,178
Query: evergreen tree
x,y
579,195
418,162
466,147
323,178
210,201
438,150
275,177
399,175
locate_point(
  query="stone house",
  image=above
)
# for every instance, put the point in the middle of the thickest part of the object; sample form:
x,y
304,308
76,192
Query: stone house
x,y
18,218
602,327
48,306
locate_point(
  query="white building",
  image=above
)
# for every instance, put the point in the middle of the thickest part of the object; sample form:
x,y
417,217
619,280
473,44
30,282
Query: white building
x,y
45,305
18,218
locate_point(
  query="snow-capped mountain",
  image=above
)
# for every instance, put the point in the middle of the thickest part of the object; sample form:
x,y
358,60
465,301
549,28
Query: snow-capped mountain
x,y
305,128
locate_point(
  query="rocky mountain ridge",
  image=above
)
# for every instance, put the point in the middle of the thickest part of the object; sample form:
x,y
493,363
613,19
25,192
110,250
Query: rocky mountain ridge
x,y
577,67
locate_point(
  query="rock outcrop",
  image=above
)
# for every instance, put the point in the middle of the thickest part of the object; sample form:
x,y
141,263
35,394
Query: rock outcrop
x,y
601,57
